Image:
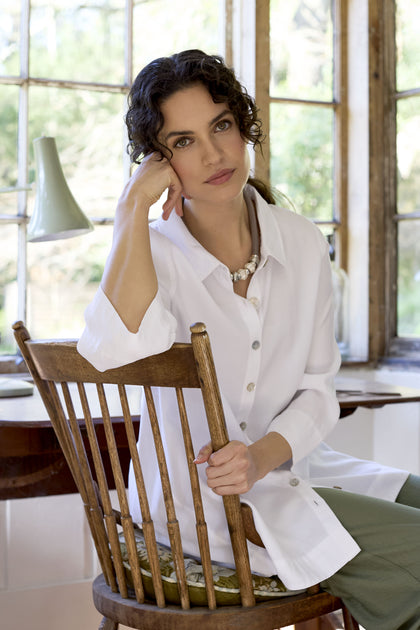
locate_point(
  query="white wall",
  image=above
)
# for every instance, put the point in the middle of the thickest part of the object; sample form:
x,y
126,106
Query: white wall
x,y
47,564
389,435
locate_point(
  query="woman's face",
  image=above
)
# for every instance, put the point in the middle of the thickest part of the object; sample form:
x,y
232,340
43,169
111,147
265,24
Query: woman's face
x,y
208,153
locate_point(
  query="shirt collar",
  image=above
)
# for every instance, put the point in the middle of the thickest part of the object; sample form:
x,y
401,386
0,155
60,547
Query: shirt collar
x,y
204,262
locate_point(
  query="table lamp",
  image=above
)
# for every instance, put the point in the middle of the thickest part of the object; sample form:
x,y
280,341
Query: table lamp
x,y
56,214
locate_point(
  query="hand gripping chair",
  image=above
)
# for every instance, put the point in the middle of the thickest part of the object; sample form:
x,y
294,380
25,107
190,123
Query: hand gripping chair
x,y
130,592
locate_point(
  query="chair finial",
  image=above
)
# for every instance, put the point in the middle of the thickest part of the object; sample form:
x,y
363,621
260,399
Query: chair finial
x,y
198,327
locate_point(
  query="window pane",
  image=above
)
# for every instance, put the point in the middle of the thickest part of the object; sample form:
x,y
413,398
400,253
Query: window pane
x,y
302,157
9,37
78,41
9,98
8,287
408,44
409,279
88,128
162,28
8,205
63,277
301,42
408,154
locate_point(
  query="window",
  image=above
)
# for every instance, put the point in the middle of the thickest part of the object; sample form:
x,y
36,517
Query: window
x,y
406,215
305,113
340,106
395,182
65,71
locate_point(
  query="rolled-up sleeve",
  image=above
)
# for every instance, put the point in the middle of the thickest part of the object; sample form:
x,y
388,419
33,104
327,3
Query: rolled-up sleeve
x,y
106,342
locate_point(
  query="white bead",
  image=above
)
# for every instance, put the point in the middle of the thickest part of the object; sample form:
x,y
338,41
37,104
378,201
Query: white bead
x,y
251,267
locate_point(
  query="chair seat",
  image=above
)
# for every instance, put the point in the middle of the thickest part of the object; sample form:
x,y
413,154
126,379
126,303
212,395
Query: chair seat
x,y
262,616
226,583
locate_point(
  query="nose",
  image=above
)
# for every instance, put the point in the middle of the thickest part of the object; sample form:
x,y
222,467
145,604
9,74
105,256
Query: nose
x,y
211,152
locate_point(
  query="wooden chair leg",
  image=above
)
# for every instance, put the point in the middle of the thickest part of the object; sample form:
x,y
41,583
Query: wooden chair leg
x,y
313,624
108,624
350,622
328,622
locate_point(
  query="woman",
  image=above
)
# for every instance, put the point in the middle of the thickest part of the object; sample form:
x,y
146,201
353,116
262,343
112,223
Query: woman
x,y
259,277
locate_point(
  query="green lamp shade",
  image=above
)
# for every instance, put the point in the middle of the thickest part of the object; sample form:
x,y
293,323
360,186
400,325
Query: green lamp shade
x,y
56,214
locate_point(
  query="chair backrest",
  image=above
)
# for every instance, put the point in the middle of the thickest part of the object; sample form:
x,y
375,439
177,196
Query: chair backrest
x,y
68,383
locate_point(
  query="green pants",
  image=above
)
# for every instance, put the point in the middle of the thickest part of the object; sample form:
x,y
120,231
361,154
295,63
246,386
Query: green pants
x,y
381,585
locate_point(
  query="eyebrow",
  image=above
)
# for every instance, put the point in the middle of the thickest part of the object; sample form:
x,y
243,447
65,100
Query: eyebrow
x,y
187,132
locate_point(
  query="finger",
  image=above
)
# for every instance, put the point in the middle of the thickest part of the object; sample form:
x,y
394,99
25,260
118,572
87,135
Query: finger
x,y
228,489
232,450
179,206
204,454
176,195
227,476
228,480
173,200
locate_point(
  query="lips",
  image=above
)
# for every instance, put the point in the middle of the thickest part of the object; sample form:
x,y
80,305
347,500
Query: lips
x,y
220,177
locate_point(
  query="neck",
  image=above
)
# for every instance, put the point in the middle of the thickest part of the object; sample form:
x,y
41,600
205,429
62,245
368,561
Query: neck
x,y
232,236
219,227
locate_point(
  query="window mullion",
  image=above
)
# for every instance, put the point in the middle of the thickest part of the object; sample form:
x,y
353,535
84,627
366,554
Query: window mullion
x,y
262,82
129,19
23,159
390,165
340,82
382,230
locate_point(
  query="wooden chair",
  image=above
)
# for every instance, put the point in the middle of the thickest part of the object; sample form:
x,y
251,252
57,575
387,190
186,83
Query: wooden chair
x,y
63,376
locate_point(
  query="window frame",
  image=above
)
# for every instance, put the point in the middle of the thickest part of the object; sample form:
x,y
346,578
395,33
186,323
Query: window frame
x,y
385,346
379,306
23,82
339,105
251,60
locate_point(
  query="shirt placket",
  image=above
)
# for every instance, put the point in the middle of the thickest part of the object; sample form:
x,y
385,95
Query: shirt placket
x,y
251,316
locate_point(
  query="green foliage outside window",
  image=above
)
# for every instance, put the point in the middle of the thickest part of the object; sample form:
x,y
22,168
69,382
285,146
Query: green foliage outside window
x,y
408,168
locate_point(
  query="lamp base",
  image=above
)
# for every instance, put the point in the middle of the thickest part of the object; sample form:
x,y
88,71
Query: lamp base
x,y
11,387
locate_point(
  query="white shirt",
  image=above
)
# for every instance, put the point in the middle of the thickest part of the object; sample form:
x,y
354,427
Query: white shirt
x,y
276,358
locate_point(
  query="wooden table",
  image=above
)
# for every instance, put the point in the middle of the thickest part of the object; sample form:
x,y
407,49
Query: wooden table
x,y
31,461
32,465
354,392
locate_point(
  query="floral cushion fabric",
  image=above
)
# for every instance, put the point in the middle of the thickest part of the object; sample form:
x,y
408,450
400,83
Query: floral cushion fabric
x,y
226,582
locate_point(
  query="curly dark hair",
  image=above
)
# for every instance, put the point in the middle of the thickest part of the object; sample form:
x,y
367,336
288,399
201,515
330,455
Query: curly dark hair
x,y
163,77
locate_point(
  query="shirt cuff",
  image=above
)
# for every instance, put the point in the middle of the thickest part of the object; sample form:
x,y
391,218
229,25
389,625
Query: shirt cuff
x,y
106,342
307,421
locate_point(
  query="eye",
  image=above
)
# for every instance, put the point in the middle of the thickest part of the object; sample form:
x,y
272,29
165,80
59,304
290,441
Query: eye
x,y
181,143
223,125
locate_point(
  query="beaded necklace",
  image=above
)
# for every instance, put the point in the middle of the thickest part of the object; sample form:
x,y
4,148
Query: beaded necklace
x,y
249,268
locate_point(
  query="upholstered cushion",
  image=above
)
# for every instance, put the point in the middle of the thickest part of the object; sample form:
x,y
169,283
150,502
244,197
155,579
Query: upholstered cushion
x,y
225,580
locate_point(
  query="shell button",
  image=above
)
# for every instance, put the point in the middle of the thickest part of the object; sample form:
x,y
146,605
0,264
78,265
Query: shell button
x,y
294,482
250,387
